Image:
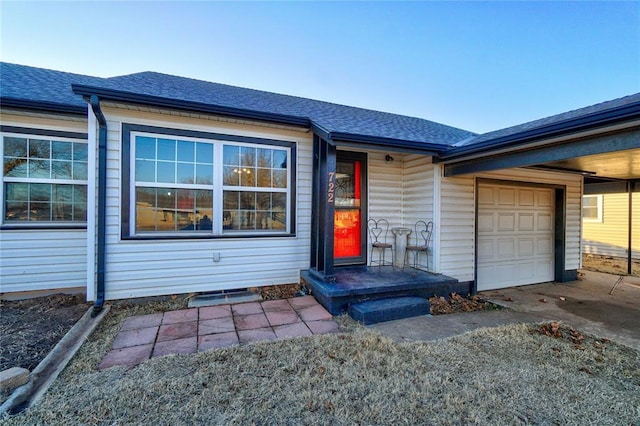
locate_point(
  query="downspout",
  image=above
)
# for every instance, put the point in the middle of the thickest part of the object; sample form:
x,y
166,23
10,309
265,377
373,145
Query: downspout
x,y
102,199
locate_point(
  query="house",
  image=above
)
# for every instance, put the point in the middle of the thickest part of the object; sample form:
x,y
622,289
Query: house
x,y
193,186
605,225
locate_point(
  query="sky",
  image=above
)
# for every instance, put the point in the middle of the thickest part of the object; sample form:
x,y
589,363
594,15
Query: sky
x,y
479,66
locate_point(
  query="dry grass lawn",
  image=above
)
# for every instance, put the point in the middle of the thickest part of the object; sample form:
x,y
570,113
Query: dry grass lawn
x,y
512,374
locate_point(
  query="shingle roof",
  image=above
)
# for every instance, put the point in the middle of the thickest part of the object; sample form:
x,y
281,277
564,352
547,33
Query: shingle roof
x,y
41,86
329,116
558,119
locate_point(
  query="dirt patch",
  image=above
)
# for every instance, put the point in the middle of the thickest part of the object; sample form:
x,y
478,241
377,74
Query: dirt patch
x,y
30,328
275,292
609,264
456,303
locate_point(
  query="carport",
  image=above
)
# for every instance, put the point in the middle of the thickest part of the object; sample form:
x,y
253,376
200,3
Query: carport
x,y
600,142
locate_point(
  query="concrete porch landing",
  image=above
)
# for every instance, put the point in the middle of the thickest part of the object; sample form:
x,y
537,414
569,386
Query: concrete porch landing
x,y
360,283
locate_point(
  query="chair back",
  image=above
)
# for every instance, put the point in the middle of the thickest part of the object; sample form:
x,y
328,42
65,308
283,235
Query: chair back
x,y
423,231
378,230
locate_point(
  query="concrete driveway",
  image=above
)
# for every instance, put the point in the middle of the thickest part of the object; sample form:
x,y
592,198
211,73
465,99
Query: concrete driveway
x,y
585,305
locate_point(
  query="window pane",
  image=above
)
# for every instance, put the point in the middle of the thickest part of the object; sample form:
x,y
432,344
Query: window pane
x,y
145,171
62,211
279,159
279,178
279,201
80,194
61,150
589,201
62,193
166,149
248,156
263,201
166,172
264,158
80,212
40,212
264,178
80,171
17,191
231,200
16,167
247,200
204,174
39,168
145,209
248,176
186,151
204,209
16,210
231,155
15,147
166,198
61,170
185,173
204,153
186,210
231,176
80,151
145,147
40,192
39,148
590,213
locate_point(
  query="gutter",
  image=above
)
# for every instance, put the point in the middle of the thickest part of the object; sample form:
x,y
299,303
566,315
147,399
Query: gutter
x,y
102,199
40,106
157,101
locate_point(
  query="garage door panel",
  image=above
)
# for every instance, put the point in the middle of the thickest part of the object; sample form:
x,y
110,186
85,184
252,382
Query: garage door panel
x,y
526,221
544,222
515,236
486,222
506,221
507,196
526,198
526,247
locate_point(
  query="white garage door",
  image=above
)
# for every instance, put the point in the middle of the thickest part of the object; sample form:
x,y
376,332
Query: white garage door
x,y
515,236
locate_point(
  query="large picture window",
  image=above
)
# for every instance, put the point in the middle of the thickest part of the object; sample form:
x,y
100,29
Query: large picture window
x,y
207,186
44,180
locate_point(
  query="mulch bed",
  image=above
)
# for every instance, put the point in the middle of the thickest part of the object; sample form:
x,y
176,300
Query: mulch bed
x,y
456,303
30,328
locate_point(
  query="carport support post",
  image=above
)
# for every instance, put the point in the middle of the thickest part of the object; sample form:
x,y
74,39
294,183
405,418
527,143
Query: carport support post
x,y
630,230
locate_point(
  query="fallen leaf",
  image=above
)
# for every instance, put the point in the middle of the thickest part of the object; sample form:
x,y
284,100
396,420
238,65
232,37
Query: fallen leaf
x,y
508,299
543,300
563,298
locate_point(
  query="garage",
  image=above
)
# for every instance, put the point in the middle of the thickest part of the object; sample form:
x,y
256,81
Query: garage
x,y
515,240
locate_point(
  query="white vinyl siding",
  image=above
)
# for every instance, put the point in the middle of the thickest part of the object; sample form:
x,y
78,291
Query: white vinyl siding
x,y
457,212
33,260
610,236
138,268
43,259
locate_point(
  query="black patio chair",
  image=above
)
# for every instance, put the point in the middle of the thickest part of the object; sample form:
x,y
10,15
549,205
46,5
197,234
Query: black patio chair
x,y
422,238
378,233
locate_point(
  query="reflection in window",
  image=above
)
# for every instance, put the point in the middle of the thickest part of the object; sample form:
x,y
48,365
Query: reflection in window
x,y
175,190
44,180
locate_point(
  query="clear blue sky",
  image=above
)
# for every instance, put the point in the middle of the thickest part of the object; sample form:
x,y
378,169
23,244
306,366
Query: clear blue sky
x,y
474,65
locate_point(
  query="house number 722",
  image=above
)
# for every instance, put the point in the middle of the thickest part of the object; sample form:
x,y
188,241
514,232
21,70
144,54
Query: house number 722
x,y
332,185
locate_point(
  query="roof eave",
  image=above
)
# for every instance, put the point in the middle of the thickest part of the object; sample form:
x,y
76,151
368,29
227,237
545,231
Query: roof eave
x,y
129,97
43,106
600,119
381,143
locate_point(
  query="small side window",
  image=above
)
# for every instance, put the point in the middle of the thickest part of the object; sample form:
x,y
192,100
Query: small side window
x,y
592,208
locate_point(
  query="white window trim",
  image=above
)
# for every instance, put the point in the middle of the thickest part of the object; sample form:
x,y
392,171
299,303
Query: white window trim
x,y
599,207
217,187
9,179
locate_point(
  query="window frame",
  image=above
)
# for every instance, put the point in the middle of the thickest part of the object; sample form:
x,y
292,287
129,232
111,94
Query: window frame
x,y
51,136
599,208
128,195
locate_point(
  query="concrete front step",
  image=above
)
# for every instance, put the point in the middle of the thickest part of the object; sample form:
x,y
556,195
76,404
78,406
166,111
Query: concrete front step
x,y
375,311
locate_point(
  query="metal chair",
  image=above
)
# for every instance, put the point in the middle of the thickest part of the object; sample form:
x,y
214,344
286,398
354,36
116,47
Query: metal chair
x,y
378,232
422,236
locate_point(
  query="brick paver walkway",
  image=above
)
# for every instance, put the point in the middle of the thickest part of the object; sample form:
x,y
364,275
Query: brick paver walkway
x,y
200,329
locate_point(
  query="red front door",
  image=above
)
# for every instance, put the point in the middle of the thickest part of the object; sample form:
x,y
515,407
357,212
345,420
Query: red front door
x,y
350,217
